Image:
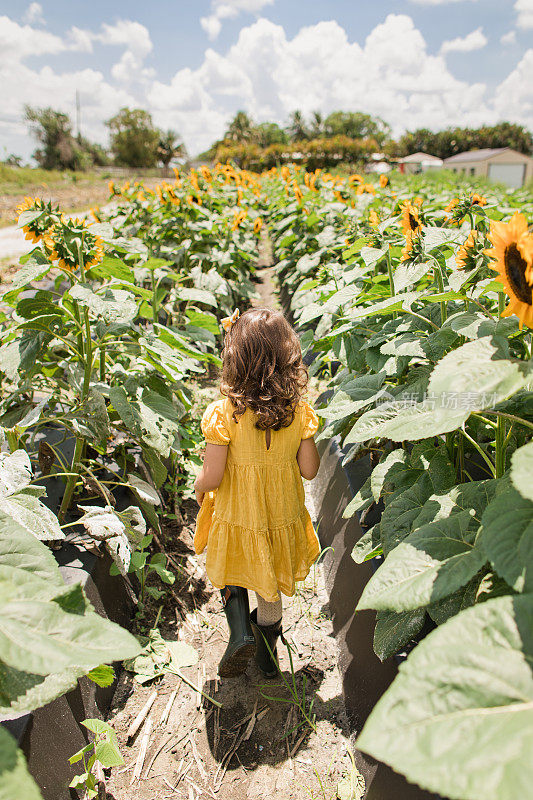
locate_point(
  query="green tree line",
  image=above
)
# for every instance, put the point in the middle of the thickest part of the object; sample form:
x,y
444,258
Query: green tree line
x,y
348,137
134,141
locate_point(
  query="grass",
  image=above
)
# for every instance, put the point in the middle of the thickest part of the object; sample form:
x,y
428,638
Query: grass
x,y
13,180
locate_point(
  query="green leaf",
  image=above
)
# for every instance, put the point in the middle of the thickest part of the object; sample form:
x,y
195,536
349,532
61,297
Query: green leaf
x,y
522,470
126,410
395,630
31,271
429,564
112,268
354,395
15,779
197,296
103,675
92,420
393,463
33,515
408,273
49,633
458,718
399,421
507,537
476,377
113,305
144,490
15,472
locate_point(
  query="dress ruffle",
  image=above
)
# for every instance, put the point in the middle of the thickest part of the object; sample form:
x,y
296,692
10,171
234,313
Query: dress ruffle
x,y
214,426
267,562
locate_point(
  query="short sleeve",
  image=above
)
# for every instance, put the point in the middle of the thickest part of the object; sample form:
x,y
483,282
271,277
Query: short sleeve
x,y
214,426
309,422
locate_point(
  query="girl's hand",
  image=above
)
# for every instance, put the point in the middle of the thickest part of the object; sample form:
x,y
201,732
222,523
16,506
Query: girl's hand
x,y
199,496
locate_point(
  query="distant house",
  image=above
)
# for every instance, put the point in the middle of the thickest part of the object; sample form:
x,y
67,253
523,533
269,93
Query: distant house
x,y
501,164
419,162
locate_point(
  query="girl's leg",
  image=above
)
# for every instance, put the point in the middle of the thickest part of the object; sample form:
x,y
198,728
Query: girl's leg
x,y
268,613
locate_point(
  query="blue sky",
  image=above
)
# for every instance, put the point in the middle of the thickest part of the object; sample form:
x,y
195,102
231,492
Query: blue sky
x,y
416,63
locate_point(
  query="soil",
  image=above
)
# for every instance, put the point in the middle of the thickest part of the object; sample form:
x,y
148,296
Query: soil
x,y
259,744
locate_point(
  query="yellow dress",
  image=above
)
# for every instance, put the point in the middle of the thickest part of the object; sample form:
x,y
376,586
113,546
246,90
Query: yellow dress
x,y
256,527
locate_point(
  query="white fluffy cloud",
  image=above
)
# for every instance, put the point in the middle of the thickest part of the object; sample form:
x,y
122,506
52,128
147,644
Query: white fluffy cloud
x,y
508,38
226,9
392,74
474,40
34,14
524,10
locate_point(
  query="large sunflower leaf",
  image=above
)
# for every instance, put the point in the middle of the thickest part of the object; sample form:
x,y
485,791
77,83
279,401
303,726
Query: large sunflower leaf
x,y
354,395
507,538
15,779
33,515
393,631
431,563
458,718
399,421
15,472
476,376
49,632
522,470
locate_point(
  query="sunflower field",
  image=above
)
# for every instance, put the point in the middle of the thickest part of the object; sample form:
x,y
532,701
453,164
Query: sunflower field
x,y
414,301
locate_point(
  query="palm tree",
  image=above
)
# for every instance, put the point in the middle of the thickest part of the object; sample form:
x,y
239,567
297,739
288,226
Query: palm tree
x,y
297,129
317,125
170,146
241,128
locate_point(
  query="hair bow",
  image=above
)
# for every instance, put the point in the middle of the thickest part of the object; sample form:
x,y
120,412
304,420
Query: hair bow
x,y
227,322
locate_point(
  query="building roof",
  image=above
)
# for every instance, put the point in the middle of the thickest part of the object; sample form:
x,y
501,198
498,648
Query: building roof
x,y
418,158
480,155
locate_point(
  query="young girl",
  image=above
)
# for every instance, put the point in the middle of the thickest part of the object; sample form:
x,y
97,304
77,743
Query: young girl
x,y
260,443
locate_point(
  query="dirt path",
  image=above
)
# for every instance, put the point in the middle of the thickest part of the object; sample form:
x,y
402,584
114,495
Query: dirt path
x,y
259,744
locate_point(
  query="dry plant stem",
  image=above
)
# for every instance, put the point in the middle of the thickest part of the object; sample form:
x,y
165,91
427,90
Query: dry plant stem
x,y
145,738
137,722
177,672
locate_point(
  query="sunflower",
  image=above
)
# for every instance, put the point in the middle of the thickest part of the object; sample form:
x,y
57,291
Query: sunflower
x,y
66,237
451,205
478,200
410,218
413,246
258,224
373,218
239,217
512,253
365,188
383,181
355,178
464,251
43,217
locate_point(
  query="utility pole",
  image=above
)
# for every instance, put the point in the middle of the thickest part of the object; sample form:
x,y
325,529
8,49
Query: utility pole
x,y
78,115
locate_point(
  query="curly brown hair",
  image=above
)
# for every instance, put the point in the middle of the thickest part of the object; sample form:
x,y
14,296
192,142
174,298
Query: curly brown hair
x,y
263,368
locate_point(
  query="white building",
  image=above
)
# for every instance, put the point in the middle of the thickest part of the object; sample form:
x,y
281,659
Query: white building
x,y
501,164
419,162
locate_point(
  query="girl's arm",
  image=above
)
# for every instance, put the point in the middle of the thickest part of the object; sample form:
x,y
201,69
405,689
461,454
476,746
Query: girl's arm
x,y
308,458
212,472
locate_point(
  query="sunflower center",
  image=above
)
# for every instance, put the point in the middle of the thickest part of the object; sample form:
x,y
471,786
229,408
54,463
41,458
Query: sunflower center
x,y
413,222
515,269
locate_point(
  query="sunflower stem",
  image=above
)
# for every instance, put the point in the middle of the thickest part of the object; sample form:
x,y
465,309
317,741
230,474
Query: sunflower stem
x,y
391,279
481,452
87,350
501,427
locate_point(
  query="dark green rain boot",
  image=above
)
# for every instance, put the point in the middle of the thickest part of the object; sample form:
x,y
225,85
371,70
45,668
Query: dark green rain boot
x,y
266,657
241,643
